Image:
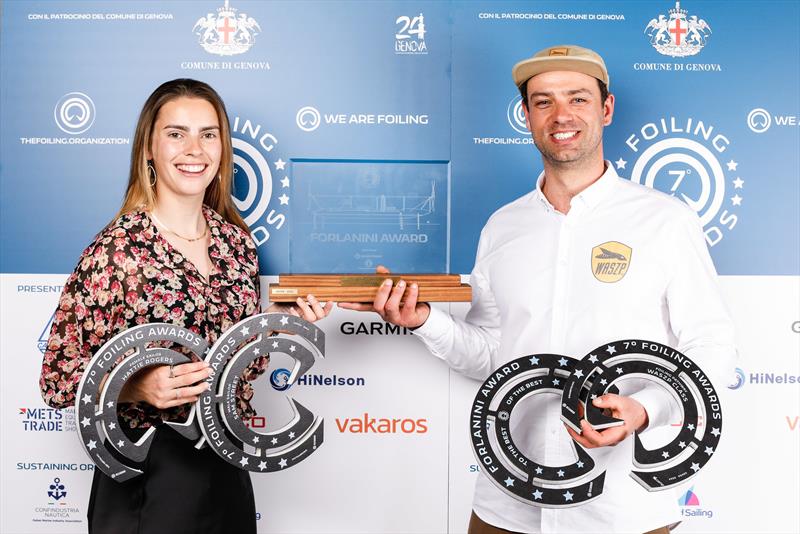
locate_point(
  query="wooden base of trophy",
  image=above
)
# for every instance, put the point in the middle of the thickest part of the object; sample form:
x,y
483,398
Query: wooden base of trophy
x,y
363,287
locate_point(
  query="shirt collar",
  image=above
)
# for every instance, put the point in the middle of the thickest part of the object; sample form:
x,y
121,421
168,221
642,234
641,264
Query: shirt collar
x,y
589,197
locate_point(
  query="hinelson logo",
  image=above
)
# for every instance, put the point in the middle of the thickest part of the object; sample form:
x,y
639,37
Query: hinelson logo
x,y
516,116
308,118
280,377
74,113
366,424
739,380
678,35
253,180
57,490
691,505
687,158
410,35
225,34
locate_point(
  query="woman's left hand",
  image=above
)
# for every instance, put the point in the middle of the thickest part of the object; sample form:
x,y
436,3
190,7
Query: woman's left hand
x,y
311,310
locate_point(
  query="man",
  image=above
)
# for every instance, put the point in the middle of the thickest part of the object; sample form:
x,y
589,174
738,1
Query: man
x,y
584,259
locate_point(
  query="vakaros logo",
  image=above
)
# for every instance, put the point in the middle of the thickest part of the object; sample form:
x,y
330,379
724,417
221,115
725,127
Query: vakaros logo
x,y
691,159
253,179
367,424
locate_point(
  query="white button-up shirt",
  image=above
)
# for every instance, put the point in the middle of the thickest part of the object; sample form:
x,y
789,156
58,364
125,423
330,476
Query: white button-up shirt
x,y
539,287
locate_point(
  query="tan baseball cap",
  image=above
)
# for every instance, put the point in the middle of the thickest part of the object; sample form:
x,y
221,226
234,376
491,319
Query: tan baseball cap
x,y
562,57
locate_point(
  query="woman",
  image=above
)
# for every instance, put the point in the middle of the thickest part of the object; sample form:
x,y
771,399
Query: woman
x,y
178,252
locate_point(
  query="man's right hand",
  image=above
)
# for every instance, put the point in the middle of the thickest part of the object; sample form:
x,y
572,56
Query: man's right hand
x,y
391,304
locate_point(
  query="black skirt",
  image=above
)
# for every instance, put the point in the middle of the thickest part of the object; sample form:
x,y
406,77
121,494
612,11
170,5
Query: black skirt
x,y
182,490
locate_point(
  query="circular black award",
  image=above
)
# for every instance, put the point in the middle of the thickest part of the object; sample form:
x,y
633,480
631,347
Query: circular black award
x,y
681,458
117,361
500,458
220,421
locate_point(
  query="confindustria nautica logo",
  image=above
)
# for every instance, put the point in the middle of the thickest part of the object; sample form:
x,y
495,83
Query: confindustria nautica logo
x,y
678,35
689,498
308,118
41,343
409,37
57,490
516,116
254,187
226,34
74,113
739,382
692,160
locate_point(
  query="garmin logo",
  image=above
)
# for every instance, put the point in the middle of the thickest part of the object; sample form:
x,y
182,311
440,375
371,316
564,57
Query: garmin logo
x,y
375,425
373,329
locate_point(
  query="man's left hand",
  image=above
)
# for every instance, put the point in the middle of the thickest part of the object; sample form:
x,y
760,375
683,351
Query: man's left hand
x,y
625,408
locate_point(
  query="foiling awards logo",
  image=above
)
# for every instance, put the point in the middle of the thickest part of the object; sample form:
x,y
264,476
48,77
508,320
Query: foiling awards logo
x,y
678,35
225,34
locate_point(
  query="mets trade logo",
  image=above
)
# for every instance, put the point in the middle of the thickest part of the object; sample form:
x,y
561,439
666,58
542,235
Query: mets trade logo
x,y
225,34
74,113
254,185
516,115
678,35
610,261
690,159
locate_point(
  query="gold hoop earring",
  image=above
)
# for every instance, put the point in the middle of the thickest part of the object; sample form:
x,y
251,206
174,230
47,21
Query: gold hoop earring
x,y
151,171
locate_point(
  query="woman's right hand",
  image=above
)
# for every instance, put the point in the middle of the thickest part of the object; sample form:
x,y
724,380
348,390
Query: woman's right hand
x,y
167,386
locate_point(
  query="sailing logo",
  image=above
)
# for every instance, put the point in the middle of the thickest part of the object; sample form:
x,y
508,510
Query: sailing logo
x,y
225,34
678,35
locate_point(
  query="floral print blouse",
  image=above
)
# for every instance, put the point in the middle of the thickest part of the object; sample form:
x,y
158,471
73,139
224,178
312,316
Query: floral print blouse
x,y
131,275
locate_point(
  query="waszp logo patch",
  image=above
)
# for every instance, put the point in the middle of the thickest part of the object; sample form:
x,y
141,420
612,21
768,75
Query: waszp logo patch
x,y
610,261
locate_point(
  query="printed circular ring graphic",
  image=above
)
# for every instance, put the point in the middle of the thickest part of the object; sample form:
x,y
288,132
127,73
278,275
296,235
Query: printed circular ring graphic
x,y
516,115
74,113
759,120
705,210
500,457
220,422
308,119
668,465
259,181
96,412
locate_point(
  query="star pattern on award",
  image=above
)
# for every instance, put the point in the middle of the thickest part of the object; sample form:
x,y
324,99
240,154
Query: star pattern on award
x,y
262,465
593,358
284,199
563,362
603,381
284,320
291,435
92,445
715,432
110,404
85,421
263,322
509,482
120,444
274,344
611,349
578,373
534,360
736,200
86,399
579,464
537,494
738,183
292,348
560,473
539,471
556,381
256,351
245,331
732,165
682,444
665,454
690,426
618,370
285,182
709,451
695,467
244,461
256,439
280,165
283,463
112,426
568,496
274,441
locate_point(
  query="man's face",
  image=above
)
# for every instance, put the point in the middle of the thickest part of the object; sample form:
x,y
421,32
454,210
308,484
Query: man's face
x,y
566,117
